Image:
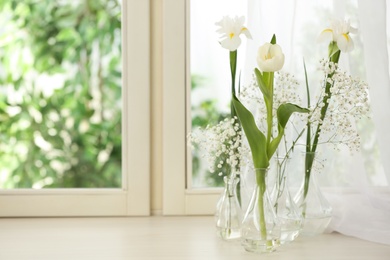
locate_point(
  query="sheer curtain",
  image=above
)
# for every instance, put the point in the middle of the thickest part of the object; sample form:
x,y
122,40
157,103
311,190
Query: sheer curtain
x,y
358,185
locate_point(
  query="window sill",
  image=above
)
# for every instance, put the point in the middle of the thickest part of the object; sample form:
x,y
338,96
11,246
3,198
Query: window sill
x,y
157,238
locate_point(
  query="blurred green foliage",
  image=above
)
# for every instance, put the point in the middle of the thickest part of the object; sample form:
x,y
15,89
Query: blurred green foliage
x,y
60,93
206,113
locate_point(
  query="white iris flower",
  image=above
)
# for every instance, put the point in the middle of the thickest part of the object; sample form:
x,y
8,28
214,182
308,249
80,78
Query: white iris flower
x,y
339,32
230,30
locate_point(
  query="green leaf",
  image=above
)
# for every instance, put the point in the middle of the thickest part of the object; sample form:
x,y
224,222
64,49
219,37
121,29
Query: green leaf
x,y
273,40
261,82
308,133
284,113
67,34
256,139
333,49
286,110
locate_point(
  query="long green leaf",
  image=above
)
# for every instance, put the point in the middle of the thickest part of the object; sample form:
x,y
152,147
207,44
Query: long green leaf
x,y
284,113
256,138
308,133
262,84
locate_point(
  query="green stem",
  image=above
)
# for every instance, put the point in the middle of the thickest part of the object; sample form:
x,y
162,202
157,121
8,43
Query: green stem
x,y
230,197
260,179
233,113
334,56
269,106
233,68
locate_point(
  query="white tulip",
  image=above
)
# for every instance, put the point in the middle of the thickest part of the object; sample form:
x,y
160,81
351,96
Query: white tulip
x,y
270,57
230,30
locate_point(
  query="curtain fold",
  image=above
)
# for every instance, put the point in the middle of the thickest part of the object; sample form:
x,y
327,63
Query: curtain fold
x,y
373,20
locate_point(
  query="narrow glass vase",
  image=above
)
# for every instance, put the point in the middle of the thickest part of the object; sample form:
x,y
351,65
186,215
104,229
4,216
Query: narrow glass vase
x,y
260,230
228,215
315,208
286,210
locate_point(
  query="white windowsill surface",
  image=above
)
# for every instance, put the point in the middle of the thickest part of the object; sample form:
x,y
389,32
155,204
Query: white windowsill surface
x,y
168,238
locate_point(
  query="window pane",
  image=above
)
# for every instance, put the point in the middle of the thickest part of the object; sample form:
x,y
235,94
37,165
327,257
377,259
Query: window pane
x,y
60,102
210,75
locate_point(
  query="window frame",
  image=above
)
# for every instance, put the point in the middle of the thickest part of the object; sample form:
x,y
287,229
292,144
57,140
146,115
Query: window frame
x,y
133,198
178,196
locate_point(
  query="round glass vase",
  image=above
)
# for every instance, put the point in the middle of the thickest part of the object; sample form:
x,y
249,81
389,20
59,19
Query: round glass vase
x,y
228,215
315,208
260,229
289,216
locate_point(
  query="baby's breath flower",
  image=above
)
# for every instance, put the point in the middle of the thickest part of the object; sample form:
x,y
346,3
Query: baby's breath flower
x,y
222,145
349,103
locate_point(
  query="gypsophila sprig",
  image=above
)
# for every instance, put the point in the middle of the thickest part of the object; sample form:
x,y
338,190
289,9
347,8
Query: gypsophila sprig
x,y
349,103
220,144
341,100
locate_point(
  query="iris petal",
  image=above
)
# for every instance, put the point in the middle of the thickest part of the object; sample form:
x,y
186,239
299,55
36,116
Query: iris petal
x,y
345,43
231,43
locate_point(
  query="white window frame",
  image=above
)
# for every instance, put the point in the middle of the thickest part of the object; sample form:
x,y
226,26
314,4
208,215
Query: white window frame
x,y
134,196
178,196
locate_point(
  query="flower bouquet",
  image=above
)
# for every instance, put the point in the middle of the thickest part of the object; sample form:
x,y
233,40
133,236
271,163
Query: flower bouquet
x,y
260,231
244,138
342,101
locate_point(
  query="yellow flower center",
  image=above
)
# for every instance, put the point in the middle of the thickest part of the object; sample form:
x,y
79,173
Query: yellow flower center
x,y
268,56
231,35
345,35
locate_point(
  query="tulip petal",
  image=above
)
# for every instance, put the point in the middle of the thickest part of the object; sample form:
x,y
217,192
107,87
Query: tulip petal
x,y
270,57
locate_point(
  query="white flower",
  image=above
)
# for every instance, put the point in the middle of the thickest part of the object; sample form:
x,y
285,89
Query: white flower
x,y
348,104
231,29
270,57
339,32
220,145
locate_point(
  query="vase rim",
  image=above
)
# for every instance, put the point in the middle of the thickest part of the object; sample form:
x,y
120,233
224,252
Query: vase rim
x,y
264,169
304,152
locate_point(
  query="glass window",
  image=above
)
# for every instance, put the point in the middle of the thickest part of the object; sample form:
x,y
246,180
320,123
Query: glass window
x,y
110,185
210,76
61,87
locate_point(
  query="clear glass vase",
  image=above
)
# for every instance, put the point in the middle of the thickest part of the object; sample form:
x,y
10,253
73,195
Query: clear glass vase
x,y
260,230
289,216
228,215
315,209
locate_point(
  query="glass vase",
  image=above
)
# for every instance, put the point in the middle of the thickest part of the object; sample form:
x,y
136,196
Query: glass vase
x,y
316,210
228,215
260,230
289,216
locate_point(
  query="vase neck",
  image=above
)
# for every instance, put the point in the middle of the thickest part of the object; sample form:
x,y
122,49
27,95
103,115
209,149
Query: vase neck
x,y
231,185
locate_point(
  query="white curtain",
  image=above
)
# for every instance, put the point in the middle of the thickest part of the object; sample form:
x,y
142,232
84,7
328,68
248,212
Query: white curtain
x,y
359,192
